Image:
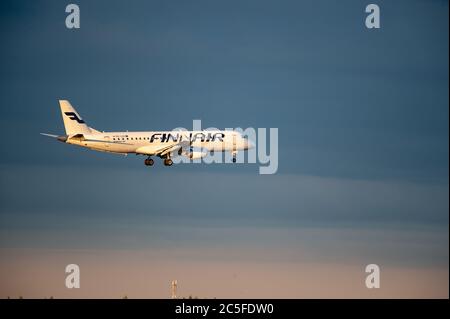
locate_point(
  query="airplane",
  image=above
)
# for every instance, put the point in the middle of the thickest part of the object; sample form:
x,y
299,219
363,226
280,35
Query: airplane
x,y
162,144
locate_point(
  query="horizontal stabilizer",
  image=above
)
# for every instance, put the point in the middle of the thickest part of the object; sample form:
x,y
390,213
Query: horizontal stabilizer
x,y
50,135
61,138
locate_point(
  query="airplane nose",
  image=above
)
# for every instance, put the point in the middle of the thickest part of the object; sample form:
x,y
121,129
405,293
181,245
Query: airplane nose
x,y
62,138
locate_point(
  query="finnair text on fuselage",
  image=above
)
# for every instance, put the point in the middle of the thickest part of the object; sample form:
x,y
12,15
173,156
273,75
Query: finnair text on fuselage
x,y
176,137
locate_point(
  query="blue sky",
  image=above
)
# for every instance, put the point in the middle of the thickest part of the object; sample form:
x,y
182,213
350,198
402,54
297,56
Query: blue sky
x,y
362,118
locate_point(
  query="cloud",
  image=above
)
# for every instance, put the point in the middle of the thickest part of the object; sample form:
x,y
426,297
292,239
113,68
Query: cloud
x,y
300,218
211,197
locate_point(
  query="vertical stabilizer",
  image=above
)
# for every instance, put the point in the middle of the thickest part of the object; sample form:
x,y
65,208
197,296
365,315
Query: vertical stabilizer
x,y
73,123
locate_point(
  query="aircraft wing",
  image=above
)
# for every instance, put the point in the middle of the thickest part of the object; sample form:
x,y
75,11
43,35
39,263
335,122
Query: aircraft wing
x,y
161,150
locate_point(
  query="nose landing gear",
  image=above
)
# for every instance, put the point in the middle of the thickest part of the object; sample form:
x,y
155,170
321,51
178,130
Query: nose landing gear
x,y
234,153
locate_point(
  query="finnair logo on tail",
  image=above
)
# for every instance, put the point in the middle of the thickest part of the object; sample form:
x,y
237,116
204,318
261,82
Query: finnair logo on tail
x,y
74,117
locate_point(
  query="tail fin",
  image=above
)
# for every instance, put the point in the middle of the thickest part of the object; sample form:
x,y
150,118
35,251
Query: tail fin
x,y
73,123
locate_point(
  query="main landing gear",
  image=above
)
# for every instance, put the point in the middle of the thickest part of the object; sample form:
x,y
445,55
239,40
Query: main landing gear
x,y
168,162
149,161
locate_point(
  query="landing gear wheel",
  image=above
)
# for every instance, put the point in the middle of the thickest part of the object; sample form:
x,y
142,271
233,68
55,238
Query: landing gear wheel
x,y
234,153
149,162
168,162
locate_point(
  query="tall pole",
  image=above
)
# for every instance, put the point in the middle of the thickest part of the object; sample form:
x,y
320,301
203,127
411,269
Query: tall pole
x,y
174,289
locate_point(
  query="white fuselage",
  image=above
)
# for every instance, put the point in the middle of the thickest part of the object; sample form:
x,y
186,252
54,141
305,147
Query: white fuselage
x,y
145,142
